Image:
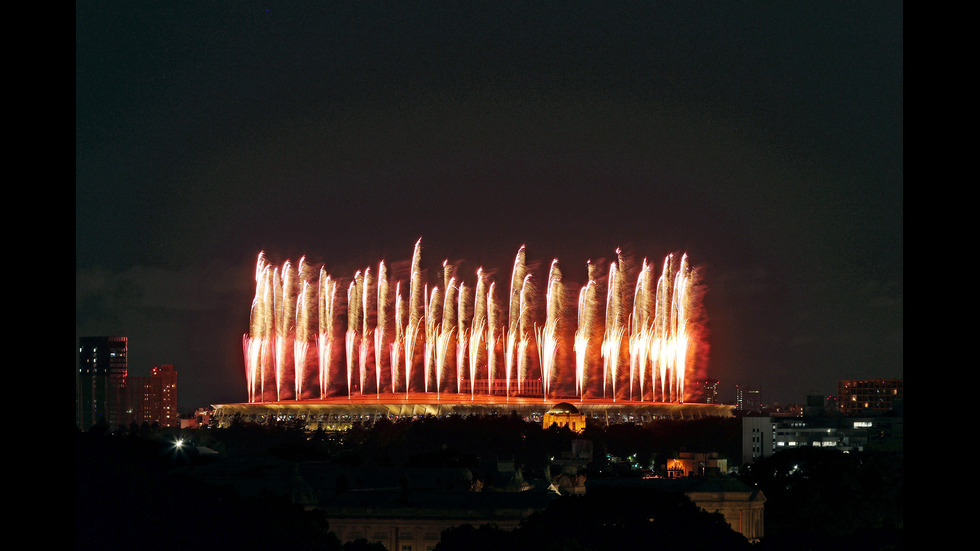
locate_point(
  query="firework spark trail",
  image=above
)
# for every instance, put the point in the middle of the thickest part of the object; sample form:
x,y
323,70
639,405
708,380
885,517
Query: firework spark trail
x,y
514,312
275,329
429,342
328,292
639,332
613,348
447,329
526,331
364,291
306,315
259,331
307,324
396,347
270,372
249,363
475,340
516,284
547,337
433,325
399,342
380,331
660,344
639,349
279,279
462,335
522,351
416,311
300,348
676,320
362,358
681,340
633,343
291,286
584,329
248,351
256,331
353,324
641,299
351,342
411,337
510,344
611,327
478,326
493,322
445,338
462,362
581,346
476,331
511,359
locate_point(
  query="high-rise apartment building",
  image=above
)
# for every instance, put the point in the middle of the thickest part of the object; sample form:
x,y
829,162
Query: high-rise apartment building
x,y
100,382
869,396
156,397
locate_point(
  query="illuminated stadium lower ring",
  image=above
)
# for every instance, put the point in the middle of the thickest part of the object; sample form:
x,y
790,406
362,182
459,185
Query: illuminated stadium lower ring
x,y
341,413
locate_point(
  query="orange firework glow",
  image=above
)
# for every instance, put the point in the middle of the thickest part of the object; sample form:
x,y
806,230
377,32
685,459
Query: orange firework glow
x,y
639,344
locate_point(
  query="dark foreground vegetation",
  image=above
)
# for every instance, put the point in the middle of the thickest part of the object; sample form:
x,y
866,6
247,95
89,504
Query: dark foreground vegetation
x,y
607,519
134,489
818,499
135,493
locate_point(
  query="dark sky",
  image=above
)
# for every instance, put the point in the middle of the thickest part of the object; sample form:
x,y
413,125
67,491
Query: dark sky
x,y
765,139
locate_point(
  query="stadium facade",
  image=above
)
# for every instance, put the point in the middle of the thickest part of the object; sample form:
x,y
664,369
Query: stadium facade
x,y
342,413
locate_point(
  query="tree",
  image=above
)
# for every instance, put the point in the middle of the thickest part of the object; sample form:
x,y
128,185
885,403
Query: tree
x,y
819,497
608,519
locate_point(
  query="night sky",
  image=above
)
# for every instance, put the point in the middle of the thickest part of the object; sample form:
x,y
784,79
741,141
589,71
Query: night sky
x,y
765,139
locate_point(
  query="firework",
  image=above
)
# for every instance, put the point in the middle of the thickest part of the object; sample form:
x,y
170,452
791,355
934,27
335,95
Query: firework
x,y
639,345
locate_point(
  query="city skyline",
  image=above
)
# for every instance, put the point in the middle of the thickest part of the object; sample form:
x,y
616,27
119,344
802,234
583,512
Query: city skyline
x,y
765,142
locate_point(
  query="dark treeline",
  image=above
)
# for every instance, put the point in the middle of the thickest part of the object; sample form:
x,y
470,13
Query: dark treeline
x,y
607,519
134,493
822,498
470,441
816,498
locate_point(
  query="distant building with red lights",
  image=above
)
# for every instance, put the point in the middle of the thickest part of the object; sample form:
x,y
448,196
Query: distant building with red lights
x,y
153,399
865,397
707,391
106,395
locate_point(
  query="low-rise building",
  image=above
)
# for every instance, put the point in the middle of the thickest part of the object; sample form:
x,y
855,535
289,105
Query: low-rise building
x,y
696,464
415,521
763,436
564,414
869,397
